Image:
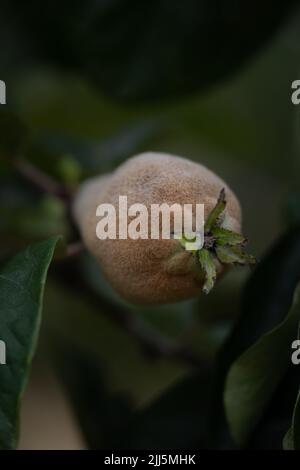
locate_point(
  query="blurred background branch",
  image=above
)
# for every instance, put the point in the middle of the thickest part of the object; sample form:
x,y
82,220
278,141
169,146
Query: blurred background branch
x,y
41,180
154,344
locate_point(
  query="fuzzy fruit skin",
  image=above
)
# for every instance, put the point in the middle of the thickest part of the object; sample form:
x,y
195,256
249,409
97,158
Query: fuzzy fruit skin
x,y
151,271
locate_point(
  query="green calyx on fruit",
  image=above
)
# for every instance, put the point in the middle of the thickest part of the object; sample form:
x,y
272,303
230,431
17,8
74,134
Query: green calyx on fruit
x,y
220,245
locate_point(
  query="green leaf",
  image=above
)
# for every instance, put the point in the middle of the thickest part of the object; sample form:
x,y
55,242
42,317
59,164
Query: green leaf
x,y
158,49
296,424
288,443
22,283
266,299
208,266
291,440
254,376
227,237
213,216
233,254
268,294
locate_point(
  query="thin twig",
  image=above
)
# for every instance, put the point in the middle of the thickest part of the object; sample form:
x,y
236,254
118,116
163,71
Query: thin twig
x,y
40,180
152,342
75,249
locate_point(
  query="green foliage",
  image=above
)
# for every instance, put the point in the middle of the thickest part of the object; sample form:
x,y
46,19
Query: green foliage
x,y
268,294
22,283
219,245
207,264
34,221
254,376
213,218
266,301
156,49
233,254
227,237
291,440
76,158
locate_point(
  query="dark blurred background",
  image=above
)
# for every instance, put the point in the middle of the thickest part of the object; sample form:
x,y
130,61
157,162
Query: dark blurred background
x,y
238,120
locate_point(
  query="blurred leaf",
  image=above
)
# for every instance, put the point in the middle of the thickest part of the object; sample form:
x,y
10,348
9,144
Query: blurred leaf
x,y
12,135
22,283
288,440
101,413
176,420
252,378
292,438
14,193
268,293
155,49
45,218
94,156
69,170
291,209
276,419
266,300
